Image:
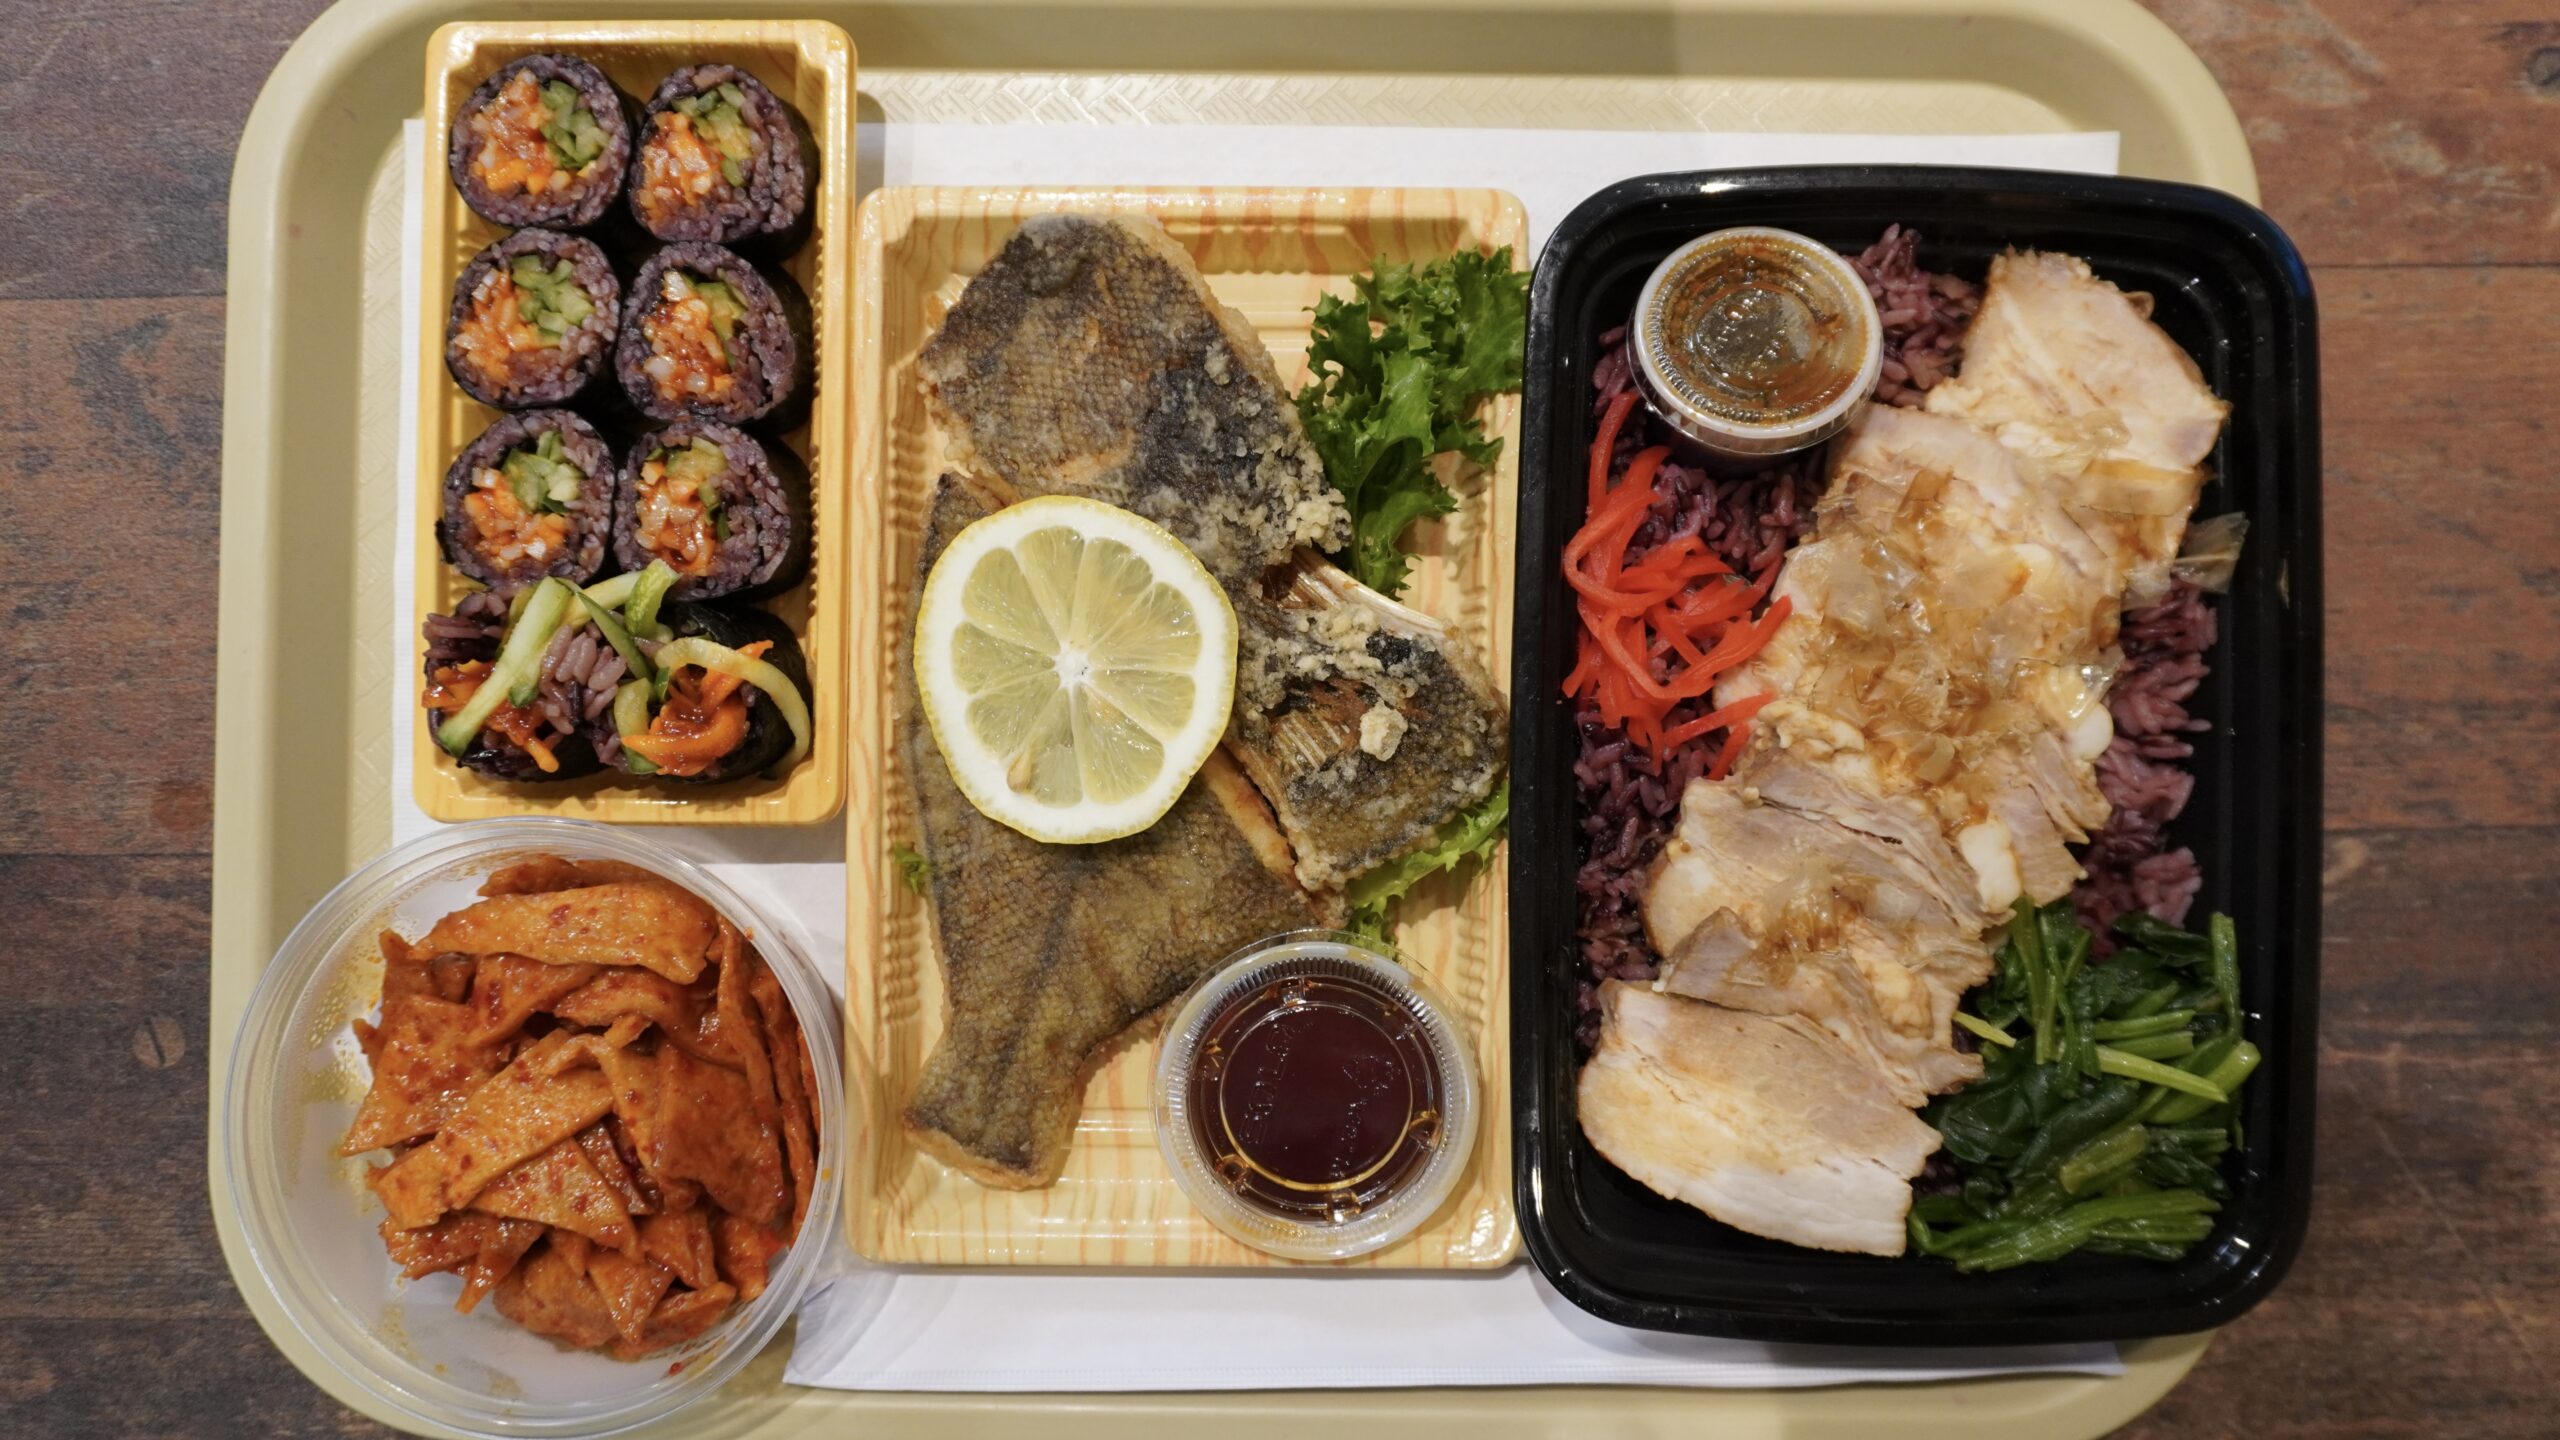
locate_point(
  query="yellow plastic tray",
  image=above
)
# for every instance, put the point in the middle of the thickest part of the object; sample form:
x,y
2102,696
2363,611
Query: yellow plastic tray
x,y
1268,253
810,64
312,469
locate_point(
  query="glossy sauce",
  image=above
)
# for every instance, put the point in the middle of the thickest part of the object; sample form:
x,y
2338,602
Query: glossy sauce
x,y
1316,1097
1752,335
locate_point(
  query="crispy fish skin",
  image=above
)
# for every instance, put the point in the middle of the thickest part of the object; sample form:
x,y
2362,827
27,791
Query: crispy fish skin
x,y
1051,952
1089,358
1363,721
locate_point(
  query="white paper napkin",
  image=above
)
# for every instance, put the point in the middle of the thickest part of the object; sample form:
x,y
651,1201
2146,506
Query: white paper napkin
x,y
1333,1330
1551,171
876,1328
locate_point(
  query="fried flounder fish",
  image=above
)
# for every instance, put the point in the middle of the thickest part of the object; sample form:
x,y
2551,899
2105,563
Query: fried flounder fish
x,y
1089,358
1051,952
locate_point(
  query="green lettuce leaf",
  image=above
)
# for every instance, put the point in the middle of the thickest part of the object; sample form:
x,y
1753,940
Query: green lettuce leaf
x,y
1399,371
1472,832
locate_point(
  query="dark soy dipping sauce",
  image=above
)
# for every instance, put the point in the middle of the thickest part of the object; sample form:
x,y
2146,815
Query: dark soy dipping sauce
x,y
1315,1098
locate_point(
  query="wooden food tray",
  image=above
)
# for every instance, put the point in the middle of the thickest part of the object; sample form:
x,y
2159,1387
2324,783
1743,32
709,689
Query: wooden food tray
x,y
313,469
1268,254
810,65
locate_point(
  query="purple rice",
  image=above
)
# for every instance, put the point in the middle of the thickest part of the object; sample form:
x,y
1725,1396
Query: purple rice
x,y
1749,517
590,194
590,513
553,375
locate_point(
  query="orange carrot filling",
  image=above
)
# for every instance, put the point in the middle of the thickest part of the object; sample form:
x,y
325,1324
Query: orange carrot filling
x,y
674,523
452,686
506,533
514,154
687,360
678,167
495,332
703,719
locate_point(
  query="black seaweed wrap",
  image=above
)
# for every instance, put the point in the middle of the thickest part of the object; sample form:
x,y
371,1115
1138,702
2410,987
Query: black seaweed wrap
x,y
552,375
764,506
588,551
589,196
771,351
475,631
771,212
768,734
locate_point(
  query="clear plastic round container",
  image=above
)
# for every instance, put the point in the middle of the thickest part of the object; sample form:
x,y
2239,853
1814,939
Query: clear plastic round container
x,y
1345,965
1756,342
297,1077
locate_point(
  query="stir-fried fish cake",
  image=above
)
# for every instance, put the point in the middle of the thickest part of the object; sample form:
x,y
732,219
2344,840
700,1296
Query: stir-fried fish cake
x,y
1051,952
561,1120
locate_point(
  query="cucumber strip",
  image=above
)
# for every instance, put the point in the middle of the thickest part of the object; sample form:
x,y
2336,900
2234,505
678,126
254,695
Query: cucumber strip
x,y
519,658
614,593
648,592
777,687
527,681
619,638
631,717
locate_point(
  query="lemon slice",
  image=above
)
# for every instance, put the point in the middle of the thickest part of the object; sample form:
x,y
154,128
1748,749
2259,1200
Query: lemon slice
x,y
1076,664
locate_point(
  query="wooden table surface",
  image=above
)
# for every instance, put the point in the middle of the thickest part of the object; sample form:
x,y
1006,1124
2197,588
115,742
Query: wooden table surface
x,y
2396,140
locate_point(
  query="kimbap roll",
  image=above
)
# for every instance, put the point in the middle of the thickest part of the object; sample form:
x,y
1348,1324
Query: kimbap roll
x,y
545,141
726,512
721,159
730,699
706,334
533,320
517,700
532,497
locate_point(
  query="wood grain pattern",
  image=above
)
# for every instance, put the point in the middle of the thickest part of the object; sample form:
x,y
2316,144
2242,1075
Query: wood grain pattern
x,y
810,64
1267,254
2427,1303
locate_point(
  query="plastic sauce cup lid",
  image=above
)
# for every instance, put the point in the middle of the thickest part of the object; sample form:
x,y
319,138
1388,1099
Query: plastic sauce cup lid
x,y
1756,342
1323,967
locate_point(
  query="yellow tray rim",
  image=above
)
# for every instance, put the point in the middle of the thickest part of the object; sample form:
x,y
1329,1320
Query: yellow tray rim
x,y
2198,139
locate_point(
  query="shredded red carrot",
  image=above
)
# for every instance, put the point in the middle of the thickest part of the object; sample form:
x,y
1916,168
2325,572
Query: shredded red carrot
x,y
1661,630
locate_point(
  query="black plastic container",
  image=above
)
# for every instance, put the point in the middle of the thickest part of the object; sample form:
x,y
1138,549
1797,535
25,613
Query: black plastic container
x,y
2230,288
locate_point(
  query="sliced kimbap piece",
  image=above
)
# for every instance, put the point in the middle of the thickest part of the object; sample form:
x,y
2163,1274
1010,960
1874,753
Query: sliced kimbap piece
x,y
514,692
706,334
533,320
544,141
532,497
729,699
728,513
722,159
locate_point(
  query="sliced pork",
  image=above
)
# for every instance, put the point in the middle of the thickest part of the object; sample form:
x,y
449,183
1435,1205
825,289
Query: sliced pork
x,y
1759,1120
1928,760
